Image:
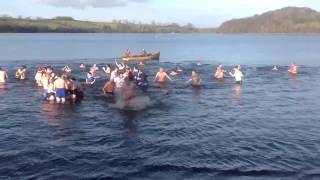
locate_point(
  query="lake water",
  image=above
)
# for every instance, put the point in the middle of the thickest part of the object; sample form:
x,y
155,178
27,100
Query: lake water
x,y
267,128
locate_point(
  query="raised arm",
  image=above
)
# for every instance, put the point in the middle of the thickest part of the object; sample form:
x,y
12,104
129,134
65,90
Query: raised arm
x,y
156,77
168,77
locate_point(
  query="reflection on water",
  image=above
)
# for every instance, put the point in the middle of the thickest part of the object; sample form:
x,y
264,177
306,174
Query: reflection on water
x,y
129,120
237,94
3,88
196,94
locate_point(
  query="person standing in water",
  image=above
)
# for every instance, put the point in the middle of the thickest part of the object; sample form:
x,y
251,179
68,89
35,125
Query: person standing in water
x,y
237,74
275,68
3,76
107,70
60,87
195,79
293,69
162,76
21,73
219,74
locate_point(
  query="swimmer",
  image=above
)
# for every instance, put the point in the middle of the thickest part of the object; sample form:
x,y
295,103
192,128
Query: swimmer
x,y
108,88
219,74
66,69
173,73
114,73
45,81
161,76
128,90
60,87
120,66
21,73
38,75
142,80
49,70
179,70
237,74
195,79
94,70
50,95
107,69
82,66
74,87
3,76
140,63
176,72
293,69
275,68
90,78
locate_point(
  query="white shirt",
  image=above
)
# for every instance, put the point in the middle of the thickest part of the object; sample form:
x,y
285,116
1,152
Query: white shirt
x,y
119,82
238,75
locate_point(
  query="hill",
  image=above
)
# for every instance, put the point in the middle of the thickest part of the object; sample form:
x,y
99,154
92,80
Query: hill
x,y
286,20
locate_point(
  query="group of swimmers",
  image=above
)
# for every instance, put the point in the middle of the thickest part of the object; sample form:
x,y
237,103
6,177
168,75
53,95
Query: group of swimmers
x,y
58,86
122,81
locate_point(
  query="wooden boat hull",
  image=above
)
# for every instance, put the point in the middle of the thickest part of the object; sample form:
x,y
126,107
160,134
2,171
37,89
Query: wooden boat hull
x,y
153,56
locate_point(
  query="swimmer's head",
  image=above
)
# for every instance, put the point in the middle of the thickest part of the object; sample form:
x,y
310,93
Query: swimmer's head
x,y
161,69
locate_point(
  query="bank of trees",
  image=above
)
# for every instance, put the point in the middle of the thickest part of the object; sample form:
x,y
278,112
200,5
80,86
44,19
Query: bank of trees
x,y
68,24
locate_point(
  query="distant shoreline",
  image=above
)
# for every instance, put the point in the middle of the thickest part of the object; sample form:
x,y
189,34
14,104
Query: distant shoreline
x,y
195,33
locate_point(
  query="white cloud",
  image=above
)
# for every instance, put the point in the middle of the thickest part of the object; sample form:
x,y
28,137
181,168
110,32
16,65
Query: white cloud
x,y
89,3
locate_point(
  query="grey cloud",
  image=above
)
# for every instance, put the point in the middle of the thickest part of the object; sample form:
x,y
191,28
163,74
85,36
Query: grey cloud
x,y
89,3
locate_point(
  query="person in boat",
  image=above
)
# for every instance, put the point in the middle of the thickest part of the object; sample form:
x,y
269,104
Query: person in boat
x,y
162,76
60,88
144,52
293,69
237,74
66,69
219,74
195,79
275,68
82,66
107,70
3,76
127,53
90,78
21,73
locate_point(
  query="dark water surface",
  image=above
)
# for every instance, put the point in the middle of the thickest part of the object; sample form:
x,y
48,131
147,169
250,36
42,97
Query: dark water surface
x,y
267,128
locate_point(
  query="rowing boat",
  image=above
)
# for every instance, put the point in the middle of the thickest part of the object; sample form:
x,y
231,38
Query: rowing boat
x,y
147,57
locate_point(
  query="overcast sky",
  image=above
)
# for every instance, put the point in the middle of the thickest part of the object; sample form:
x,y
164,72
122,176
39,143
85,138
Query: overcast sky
x,y
202,13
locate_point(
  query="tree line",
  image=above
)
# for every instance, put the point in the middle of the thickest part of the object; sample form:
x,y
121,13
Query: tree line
x,y
65,24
